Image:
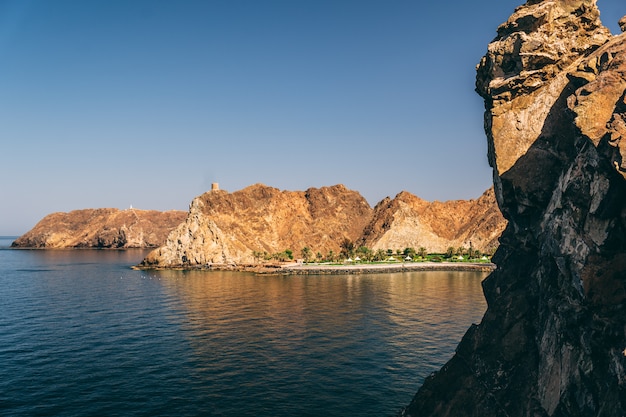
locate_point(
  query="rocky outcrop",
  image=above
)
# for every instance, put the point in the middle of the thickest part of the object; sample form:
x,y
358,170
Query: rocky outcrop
x,y
102,228
553,339
224,227
408,221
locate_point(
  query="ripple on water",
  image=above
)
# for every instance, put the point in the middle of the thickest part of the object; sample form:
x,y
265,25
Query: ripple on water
x,y
91,337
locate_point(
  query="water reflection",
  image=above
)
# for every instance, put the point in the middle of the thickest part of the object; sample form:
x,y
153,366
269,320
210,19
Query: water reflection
x,y
308,344
75,258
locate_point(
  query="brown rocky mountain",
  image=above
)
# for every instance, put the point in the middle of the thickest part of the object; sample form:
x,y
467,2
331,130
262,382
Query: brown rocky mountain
x,y
227,227
224,227
553,339
102,228
408,221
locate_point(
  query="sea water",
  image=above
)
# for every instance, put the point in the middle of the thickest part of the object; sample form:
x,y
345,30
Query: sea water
x,y
81,334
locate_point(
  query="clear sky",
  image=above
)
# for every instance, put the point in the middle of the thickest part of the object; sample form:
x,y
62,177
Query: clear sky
x,y
112,103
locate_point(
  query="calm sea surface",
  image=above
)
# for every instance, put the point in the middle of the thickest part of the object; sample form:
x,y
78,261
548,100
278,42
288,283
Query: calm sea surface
x,y
81,334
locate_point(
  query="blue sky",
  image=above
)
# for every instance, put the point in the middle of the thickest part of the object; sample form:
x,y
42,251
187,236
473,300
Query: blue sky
x,y
146,102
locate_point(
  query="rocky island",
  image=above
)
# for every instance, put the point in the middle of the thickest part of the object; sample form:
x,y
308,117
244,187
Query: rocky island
x,y
553,339
101,228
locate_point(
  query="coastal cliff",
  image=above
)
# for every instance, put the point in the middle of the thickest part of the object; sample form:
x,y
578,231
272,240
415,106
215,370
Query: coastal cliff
x,y
224,227
243,227
227,228
553,339
408,221
101,228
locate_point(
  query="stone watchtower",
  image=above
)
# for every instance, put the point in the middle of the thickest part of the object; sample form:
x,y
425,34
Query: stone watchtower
x,y
215,186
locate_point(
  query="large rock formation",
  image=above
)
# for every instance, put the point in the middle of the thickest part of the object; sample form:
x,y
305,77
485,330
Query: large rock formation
x,y
553,339
224,227
408,221
232,228
102,228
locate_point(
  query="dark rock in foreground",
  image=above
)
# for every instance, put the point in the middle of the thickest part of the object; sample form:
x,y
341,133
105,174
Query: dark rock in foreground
x,y
553,339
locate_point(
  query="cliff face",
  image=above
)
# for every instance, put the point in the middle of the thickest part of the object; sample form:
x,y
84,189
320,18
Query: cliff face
x,y
102,228
224,227
553,339
408,221
229,228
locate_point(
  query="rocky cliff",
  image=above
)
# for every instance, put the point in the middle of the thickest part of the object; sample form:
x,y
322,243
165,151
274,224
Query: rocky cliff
x,y
227,227
102,228
553,339
224,227
221,227
408,221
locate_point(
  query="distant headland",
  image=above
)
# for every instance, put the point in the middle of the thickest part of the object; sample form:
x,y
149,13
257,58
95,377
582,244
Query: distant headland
x,y
264,226
103,228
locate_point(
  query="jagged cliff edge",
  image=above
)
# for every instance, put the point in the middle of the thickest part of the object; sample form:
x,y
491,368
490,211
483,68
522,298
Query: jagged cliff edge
x,y
227,228
553,339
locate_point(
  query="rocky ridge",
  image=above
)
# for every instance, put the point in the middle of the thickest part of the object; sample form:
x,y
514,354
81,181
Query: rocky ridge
x,y
408,221
102,228
226,228
553,339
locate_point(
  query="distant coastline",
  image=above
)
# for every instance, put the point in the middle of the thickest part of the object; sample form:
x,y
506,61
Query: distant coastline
x,y
333,269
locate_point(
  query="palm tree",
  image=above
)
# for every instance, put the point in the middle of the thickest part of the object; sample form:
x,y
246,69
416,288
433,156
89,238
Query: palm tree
x,y
306,253
380,255
257,255
365,253
347,248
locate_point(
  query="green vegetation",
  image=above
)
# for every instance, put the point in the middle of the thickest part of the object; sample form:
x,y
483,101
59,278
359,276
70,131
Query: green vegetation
x,y
286,255
350,253
306,253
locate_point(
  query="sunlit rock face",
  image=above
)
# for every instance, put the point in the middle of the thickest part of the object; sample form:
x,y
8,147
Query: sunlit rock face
x,y
224,227
233,228
102,228
553,339
407,221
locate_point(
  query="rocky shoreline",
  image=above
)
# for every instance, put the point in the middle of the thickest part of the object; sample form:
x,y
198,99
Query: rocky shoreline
x,y
326,269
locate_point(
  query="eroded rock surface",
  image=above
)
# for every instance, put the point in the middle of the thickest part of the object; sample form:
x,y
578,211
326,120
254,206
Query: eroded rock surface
x,y
410,222
102,228
553,339
224,228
